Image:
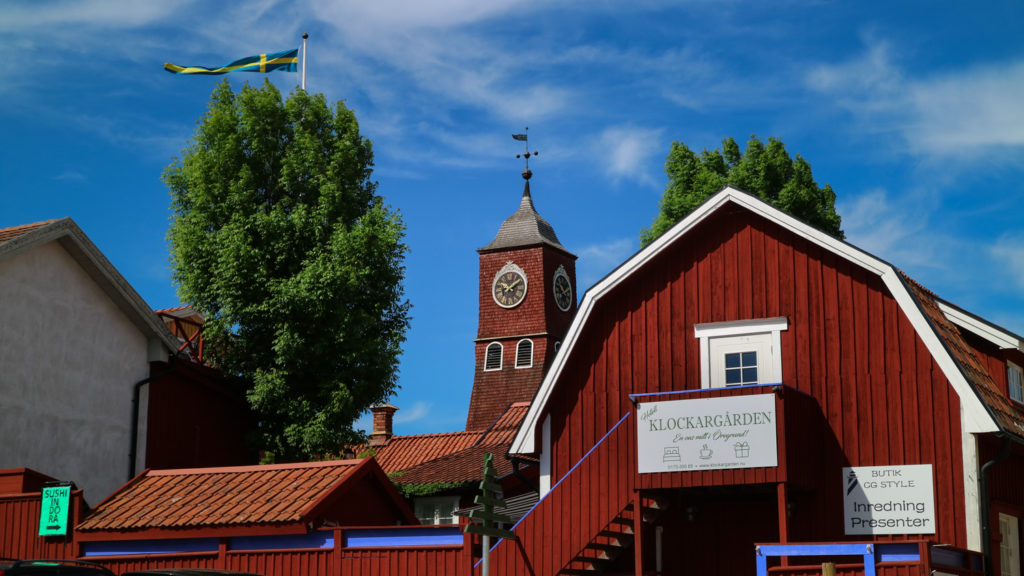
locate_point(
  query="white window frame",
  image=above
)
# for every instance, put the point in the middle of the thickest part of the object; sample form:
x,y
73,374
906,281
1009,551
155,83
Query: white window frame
x,y
1009,545
487,354
763,335
1014,382
524,341
437,505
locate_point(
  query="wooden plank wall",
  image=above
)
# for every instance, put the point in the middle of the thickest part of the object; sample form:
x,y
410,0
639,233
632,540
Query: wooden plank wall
x,y
424,561
19,528
573,512
849,346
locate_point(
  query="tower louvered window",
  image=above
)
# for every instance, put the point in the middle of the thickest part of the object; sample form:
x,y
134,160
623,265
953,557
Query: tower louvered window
x,y
492,361
524,354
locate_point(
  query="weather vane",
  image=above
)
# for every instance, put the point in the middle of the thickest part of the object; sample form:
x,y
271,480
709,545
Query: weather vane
x,y
526,155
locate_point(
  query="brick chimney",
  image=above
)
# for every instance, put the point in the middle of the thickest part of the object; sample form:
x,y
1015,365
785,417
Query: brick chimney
x,y
383,414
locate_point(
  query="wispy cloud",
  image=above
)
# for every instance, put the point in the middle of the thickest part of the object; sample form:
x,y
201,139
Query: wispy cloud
x,y
418,411
598,260
627,152
1008,250
962,113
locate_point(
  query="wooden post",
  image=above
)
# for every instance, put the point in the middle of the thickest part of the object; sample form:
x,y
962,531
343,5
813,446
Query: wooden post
x,y
638,530
828,569
782,497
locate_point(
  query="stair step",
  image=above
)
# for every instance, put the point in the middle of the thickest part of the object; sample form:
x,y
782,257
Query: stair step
x,y
613,547
626,534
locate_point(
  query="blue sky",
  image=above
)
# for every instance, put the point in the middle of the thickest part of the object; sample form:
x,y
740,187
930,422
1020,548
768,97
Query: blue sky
x,y
912,111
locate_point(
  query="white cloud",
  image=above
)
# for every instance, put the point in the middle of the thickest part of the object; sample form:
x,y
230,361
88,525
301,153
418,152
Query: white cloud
x,y
627,152
964,113
418,411
598,260
1008,251
108,14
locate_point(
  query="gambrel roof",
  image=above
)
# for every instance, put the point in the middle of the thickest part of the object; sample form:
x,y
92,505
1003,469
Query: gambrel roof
x,y
985,408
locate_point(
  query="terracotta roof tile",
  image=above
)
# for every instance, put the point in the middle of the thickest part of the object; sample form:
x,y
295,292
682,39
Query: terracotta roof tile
x,y
466,465
463,467
505,428
402,452
13,232
246,495
1006,415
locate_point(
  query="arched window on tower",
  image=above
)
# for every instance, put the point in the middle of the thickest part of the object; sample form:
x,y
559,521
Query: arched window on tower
x,y
492,360
524,354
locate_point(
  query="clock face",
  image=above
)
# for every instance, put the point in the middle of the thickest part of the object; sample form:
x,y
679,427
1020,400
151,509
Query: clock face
x,y
509,288
563,290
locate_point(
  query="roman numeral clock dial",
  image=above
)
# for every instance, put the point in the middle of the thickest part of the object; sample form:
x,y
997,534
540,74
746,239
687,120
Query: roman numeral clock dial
x,y
509,288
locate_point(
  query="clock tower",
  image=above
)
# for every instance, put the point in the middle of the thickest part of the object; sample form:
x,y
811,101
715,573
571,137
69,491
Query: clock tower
x,y
527,301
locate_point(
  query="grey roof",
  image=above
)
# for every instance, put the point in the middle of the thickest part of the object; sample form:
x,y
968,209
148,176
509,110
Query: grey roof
x,y
525,228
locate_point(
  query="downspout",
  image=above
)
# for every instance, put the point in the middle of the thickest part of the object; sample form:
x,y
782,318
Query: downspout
x,y
986,513
136,394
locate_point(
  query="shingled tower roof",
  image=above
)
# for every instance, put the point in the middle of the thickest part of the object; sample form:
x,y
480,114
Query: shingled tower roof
x,y
524,228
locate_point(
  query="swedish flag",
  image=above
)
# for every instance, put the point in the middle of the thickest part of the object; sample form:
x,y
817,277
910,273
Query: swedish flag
x,y
285,61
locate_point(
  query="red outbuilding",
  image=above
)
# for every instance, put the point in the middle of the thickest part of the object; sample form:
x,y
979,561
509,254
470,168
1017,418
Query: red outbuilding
x,y
747,383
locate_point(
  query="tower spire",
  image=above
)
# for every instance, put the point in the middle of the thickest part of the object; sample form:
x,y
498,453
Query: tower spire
x,y
524,138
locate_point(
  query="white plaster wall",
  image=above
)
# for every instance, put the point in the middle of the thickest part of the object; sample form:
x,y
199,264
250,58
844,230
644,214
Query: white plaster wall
x,y
68,360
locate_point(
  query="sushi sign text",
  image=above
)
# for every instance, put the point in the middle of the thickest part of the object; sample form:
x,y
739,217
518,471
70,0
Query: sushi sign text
x,y
707,434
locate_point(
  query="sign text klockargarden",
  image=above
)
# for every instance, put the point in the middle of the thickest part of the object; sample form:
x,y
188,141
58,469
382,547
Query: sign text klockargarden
x,y
707,434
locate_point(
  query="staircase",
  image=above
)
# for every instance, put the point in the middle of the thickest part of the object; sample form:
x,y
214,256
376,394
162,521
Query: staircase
x,y
602,552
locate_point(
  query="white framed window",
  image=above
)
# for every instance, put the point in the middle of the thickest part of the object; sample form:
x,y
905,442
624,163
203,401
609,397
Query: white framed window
x,y
741,353
1009,545
492,359
1015,382
436,509
524,354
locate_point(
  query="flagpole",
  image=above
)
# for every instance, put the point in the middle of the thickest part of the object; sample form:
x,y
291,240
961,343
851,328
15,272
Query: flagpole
x,y
304,37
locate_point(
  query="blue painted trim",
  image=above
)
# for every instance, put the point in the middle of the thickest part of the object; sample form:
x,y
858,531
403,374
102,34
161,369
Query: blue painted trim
x,y
864,550
567,474
135,547
391,538
317,540
897,552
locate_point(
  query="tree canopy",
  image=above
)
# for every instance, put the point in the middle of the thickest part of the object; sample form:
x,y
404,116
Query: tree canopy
x,y
766,171
279,237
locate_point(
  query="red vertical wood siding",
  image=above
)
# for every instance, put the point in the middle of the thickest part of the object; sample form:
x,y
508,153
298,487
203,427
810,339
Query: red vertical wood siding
x,y
19,528
573,512
883,399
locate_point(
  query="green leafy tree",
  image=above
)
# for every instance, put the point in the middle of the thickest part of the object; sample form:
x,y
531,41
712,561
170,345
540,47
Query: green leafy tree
x,y
279,238
766,171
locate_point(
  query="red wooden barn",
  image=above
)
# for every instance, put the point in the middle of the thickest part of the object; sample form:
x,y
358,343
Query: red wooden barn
x,y
746,383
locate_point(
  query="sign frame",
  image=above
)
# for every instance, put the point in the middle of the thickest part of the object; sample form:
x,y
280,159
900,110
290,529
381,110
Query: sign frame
x,y
55,508
896,499
715,433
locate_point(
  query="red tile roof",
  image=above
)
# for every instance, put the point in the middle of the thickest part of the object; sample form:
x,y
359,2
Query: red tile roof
x,y
238,496
1002,409
465,464
463,467
402,452
7,234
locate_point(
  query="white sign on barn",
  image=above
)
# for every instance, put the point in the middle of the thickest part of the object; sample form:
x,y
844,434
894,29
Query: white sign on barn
x,y
707,434
889,499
